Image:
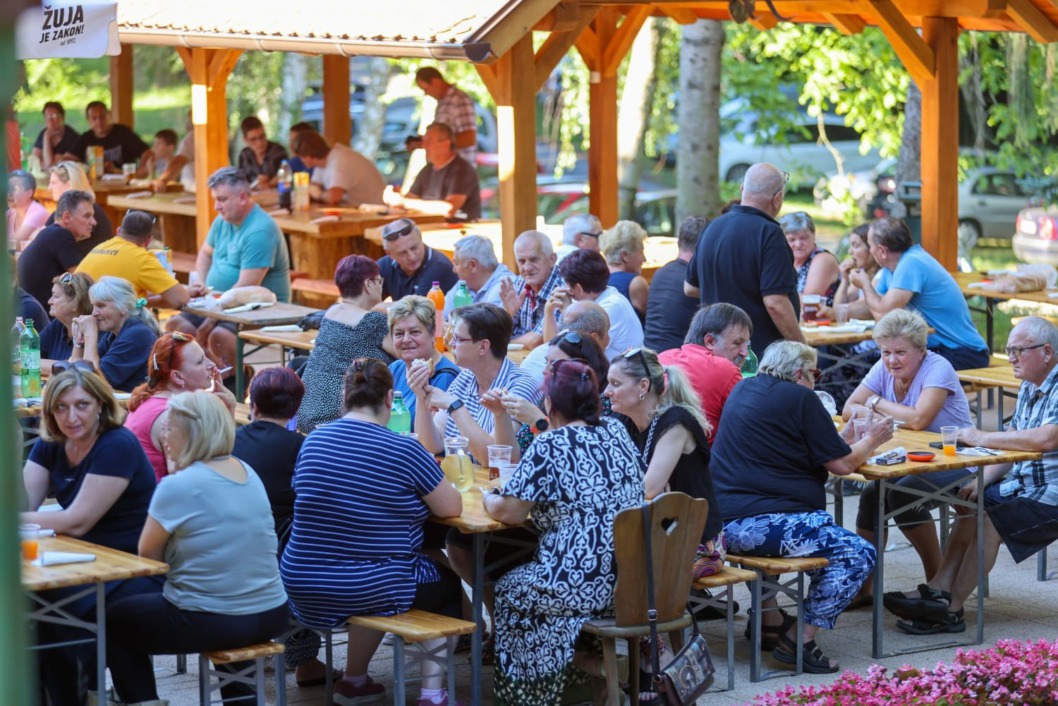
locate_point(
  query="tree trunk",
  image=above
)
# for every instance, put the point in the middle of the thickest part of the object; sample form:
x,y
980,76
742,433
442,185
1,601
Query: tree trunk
x,y
909,163
368,133
698,145
295,82
633,113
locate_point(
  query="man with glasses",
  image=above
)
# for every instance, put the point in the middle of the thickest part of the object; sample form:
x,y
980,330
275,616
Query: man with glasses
x,y
1021,499
126,256
409,266
742,258
525,298
259,160
913,278
54,250
712,356
582,230
447,186
56,139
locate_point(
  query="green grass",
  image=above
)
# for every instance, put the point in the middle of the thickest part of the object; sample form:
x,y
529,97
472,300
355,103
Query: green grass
x,y
994,258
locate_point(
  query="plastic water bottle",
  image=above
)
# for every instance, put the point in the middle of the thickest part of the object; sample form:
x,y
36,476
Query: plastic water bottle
x,y
16,346
462,297
749,365
285,184
399,416
30,352
438,298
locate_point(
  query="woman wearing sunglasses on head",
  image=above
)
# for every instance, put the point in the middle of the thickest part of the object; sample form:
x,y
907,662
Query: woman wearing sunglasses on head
x,y
99,475
177,364
771,460
69,299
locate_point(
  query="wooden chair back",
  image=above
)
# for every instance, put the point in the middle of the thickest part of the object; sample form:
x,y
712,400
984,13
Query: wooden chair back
x,y
676,524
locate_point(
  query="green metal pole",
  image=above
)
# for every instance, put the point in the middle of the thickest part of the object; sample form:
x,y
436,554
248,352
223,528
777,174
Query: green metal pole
x,y
19,682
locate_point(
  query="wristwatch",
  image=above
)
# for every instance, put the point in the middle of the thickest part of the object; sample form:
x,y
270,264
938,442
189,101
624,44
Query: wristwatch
x,y
454,406
540,426
872,402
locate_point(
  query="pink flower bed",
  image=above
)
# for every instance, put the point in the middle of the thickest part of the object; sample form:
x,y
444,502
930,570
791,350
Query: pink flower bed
x,y
1012,672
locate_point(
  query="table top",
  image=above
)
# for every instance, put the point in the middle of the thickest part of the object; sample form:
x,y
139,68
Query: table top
x,y
474,519
993,376
168,203
966,281
279,314
110,565
816,336
919,441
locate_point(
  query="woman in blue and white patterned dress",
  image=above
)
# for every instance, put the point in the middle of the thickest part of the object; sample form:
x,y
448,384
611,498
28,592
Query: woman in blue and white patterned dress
x,y
574,478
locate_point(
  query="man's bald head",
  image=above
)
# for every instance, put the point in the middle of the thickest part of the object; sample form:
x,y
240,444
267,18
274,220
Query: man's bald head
x,y
590,318
763,188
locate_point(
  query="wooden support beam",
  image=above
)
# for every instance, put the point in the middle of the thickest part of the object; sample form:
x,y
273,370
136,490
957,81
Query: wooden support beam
x,y
940,143
682,15
914,53
1034,22
516,126
185,55
209,70
764,21
846,24
121,88
616,48
337,125
487,73
593,45
588,46
565,17
556,46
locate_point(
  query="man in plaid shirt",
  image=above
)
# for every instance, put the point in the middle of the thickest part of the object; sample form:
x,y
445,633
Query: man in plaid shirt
x,y
454,108
525,298
1021,499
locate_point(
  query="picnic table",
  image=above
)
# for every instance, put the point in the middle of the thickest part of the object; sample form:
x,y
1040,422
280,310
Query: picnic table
x,y
970,285
104,190
998,375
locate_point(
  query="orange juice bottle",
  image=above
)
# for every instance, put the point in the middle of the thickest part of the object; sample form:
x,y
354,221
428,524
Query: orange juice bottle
x,y
436,296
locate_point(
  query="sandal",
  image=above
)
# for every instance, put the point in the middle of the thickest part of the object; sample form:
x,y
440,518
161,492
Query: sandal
x,y
648,698
951,622
930,603
813,660
769,634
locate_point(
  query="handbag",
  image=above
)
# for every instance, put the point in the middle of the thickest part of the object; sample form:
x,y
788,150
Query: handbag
x,y
691,671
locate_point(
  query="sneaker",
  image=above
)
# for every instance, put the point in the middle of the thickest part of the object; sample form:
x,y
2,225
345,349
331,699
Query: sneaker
x,y
370,692
387,639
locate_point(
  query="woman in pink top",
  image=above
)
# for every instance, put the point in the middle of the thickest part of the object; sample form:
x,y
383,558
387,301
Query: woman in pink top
x,y
177,364
25,215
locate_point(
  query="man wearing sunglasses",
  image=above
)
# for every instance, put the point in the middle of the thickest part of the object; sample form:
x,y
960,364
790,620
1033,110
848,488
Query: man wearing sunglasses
x,y
743,259
409,266
126,256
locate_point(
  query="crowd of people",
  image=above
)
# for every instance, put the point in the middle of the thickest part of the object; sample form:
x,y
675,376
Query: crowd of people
x,y
317,511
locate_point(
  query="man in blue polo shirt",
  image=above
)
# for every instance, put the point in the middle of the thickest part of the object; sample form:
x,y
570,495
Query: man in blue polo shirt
x,y
912,278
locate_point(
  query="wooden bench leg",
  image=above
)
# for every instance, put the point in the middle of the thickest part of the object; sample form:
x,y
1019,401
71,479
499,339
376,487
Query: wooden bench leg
x,y
398,670
609,658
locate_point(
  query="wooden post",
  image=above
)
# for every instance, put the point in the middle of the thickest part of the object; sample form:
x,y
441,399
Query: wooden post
x,y
337,126
209,70
515,93
602,111
121,87
940,142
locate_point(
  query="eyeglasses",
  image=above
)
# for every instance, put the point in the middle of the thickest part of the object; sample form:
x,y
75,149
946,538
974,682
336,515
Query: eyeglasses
x,y
61,366
785,181
66,278
592,235
406,230
1017,351
456,339
178,337
815,373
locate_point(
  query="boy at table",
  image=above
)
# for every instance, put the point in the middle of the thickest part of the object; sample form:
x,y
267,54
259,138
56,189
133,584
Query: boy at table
x,y
1021,499
244,247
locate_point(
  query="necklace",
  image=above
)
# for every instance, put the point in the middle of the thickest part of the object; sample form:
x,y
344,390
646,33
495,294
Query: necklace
x,y
645,453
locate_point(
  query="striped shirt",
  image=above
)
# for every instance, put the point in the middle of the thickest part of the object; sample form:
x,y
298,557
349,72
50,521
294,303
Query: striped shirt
x,y
1035,480
465,387
355,545
531,316
456,110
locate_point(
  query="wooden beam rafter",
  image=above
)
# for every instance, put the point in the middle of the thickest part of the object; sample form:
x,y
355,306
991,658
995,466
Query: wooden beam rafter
x,y
619,45
588,46
682,15
913,51
221,65
1032,21
764,21
558,44
846,24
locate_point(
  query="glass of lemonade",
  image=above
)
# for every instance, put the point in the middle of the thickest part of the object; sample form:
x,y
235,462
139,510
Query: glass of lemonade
x,y
457,465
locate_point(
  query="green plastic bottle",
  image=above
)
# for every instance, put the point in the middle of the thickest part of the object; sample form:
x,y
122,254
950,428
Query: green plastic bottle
x,y
749,365
30,350
462,297
399,416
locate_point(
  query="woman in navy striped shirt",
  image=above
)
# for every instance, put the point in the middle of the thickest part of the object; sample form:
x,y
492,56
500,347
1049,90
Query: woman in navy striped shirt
x,y
363,495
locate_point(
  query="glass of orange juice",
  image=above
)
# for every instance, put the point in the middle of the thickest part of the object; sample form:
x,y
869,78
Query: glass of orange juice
x,y
949,437
30,536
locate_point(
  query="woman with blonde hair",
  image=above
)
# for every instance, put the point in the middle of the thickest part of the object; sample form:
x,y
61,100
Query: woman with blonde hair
x,y
69,299
69,175
411,328
118,336
211,522
622,246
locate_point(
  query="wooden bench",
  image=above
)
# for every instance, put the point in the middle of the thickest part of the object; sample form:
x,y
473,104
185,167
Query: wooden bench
x,y
320,293
725,582
769,571
252,675
413,628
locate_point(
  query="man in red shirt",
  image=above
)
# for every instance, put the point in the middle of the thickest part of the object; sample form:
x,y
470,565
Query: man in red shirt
x,y
712,355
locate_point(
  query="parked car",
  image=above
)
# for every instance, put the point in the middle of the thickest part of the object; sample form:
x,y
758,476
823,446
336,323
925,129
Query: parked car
x,y
654,210
1036,234
552,193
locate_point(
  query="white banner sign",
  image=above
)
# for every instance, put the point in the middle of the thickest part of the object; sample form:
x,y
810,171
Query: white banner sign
x,y
74,30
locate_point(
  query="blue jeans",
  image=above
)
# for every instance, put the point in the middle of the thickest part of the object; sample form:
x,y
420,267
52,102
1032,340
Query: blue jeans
x,y
805,534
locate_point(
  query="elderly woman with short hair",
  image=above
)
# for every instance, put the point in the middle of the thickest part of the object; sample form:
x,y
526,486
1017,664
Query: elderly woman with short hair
x,y
921,388
817,269
350,329
411,327
622,246
770,463
118,336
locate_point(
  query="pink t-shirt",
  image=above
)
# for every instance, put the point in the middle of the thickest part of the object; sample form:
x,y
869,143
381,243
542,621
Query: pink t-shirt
x,y
711,376
140,423
36,217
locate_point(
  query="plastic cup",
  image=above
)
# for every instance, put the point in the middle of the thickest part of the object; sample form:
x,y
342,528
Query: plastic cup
x,y
949,437
506,471
810,306
30,536
498,454
860,428
841,314
129,169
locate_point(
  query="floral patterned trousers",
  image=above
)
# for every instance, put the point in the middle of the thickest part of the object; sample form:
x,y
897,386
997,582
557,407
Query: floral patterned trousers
x,y
807,534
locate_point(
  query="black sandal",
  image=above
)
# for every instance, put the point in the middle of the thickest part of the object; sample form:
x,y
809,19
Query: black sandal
x,y
951,622
769,634
929,604
813,660
647,696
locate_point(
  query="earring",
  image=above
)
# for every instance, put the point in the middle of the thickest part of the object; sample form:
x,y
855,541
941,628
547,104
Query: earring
x,y
642,396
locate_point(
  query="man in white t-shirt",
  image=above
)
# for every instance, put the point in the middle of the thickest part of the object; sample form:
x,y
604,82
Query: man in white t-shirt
x,y
339,173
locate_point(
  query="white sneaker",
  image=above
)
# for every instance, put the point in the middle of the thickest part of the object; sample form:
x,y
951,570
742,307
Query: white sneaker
x,y
388,639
